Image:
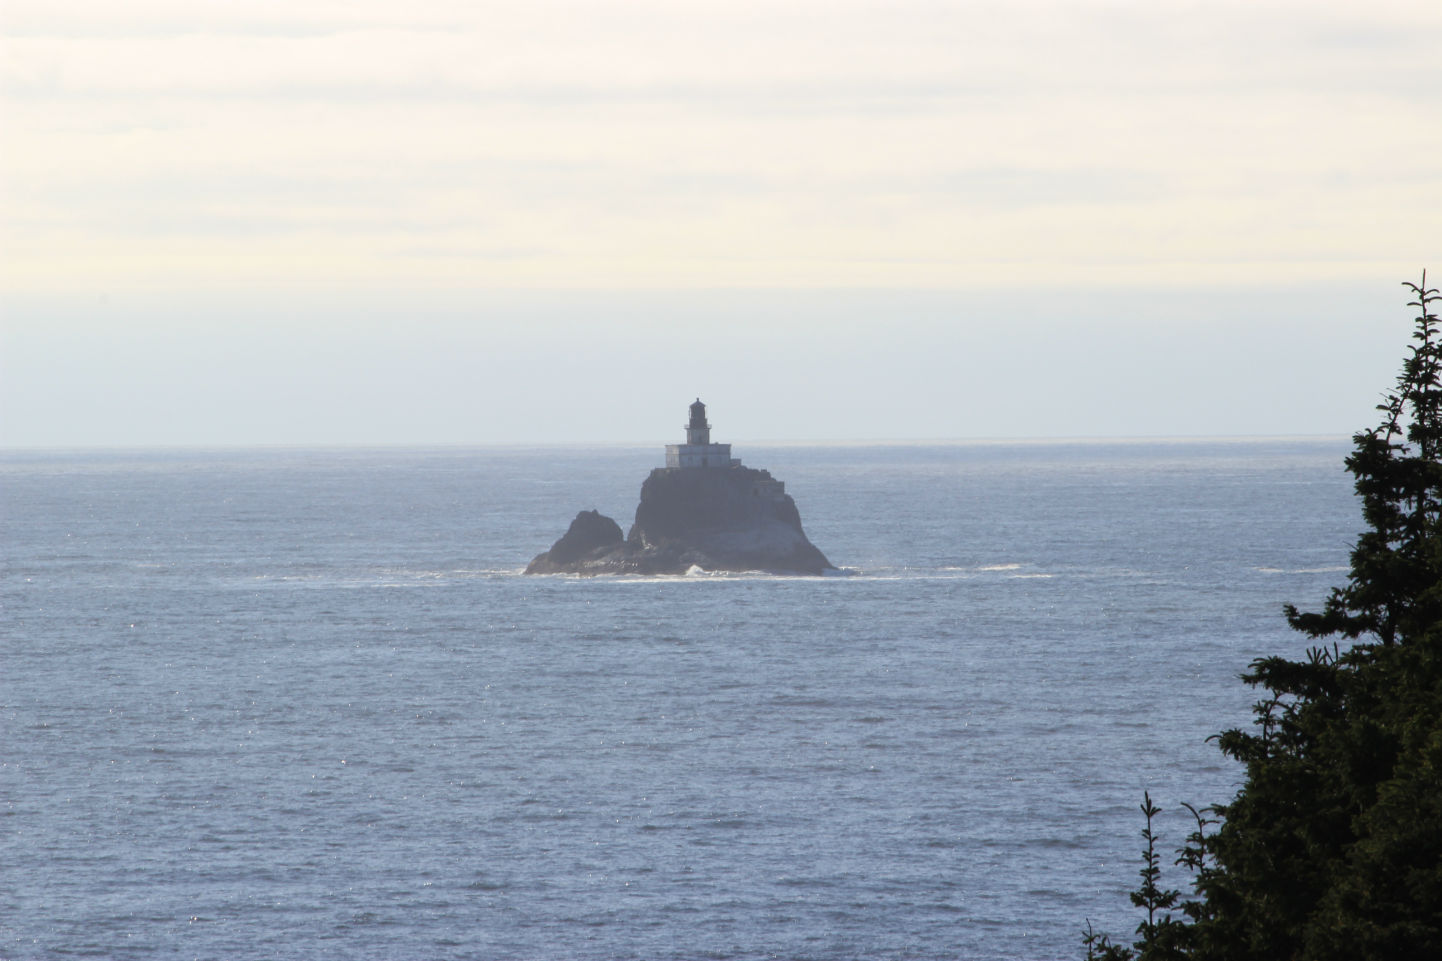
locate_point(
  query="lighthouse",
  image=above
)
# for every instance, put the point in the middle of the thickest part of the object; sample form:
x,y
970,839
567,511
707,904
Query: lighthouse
x,y
698,451
697,430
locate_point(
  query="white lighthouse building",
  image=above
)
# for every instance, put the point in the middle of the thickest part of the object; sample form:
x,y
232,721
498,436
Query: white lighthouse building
x,y
698,451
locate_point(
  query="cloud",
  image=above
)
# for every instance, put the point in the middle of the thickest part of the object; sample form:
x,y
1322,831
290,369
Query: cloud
x,y
702,143
695,51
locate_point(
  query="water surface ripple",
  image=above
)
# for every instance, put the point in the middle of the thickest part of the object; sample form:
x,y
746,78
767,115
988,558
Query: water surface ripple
x,y
300,705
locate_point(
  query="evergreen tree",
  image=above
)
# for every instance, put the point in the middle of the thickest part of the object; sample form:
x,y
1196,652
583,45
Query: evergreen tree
x,y
1332,848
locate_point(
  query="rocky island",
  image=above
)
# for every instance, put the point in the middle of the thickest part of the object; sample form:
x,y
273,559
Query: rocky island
x,y
702,510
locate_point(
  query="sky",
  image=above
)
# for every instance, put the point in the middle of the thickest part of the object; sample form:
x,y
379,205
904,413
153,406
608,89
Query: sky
x,y
333,223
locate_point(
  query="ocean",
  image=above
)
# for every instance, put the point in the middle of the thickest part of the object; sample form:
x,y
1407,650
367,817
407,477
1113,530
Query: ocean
x,y
302,704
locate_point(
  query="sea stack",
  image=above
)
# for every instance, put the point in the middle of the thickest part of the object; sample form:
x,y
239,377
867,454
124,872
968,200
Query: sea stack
x,y
702,510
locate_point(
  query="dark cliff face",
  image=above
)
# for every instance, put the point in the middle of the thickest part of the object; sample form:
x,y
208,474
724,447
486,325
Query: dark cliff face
x,y
683,503
726,519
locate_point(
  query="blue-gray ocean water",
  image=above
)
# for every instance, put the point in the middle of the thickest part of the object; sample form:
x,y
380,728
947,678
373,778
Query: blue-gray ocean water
x,y
302,704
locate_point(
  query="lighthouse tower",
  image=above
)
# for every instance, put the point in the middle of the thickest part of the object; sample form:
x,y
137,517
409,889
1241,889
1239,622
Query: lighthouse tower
x,y
697,430
698,451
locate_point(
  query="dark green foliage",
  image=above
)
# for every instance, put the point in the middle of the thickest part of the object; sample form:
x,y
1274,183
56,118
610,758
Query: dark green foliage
x,y
1161,938
1332,848
1150,895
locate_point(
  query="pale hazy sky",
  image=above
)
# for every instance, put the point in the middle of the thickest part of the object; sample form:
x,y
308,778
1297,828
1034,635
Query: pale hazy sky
x,y
432,222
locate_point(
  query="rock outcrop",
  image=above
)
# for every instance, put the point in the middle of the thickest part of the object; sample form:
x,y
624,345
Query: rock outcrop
x,y
716,519
590,537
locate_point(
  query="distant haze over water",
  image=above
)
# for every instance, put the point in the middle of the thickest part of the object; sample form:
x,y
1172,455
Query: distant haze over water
x,y
580,368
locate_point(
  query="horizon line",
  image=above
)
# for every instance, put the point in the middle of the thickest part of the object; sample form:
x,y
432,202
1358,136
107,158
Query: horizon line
x,y
1091,439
